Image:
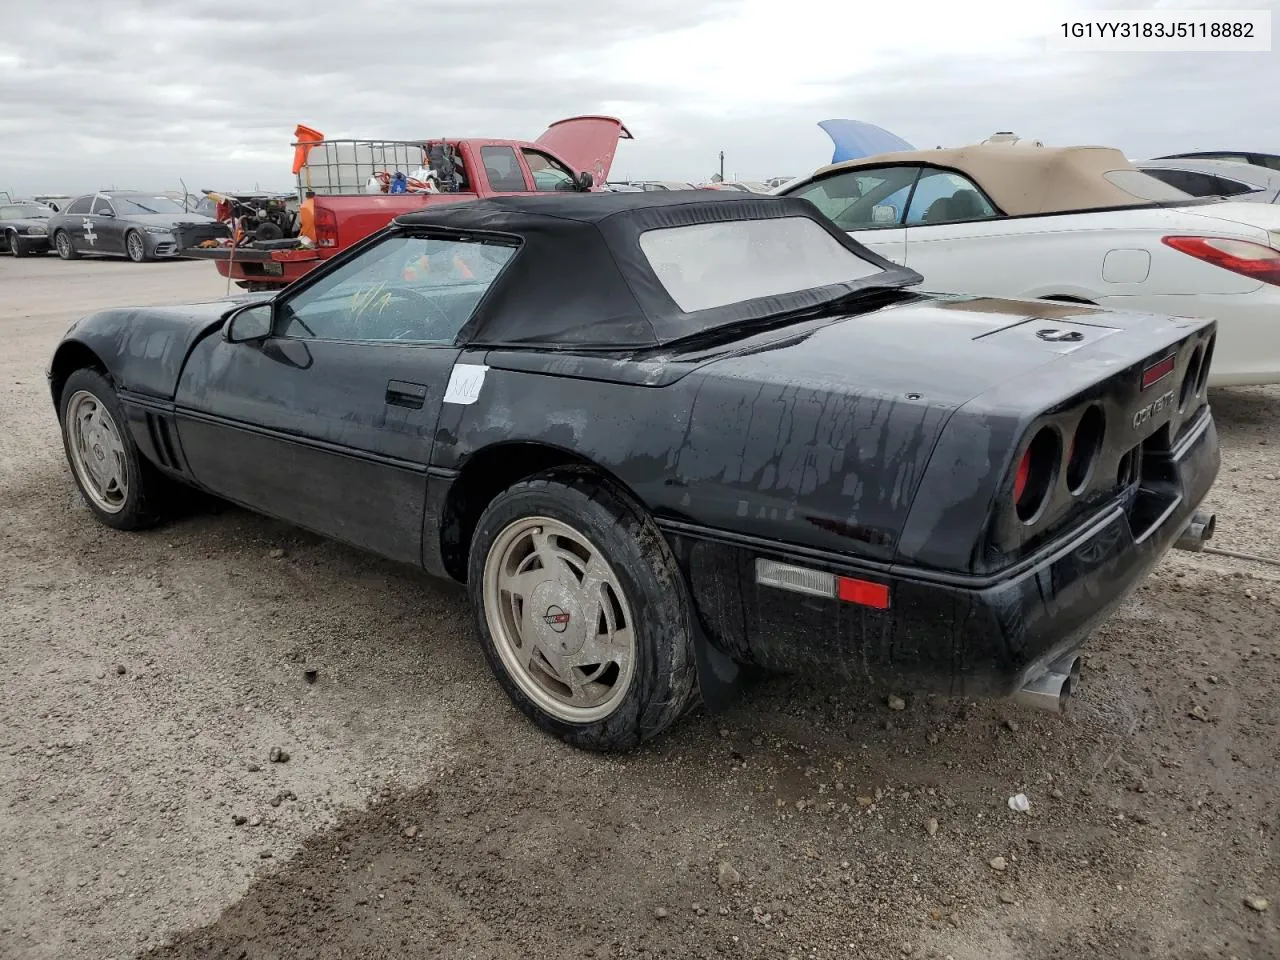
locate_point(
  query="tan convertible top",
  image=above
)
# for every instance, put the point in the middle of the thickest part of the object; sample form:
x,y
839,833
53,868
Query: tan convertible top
x,y
1031,180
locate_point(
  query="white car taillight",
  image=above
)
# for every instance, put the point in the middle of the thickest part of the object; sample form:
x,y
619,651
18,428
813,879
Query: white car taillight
x,y
1239,256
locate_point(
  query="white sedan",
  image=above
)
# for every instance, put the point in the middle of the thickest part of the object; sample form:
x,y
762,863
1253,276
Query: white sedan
x,y
1073,224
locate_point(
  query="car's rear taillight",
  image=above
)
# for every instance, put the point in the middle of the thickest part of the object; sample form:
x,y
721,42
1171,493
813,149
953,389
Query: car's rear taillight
x,y
1244,257
326,227
1034,476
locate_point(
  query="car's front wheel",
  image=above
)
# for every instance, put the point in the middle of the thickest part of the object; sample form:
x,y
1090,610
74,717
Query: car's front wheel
x,y
135,246
62,243
121,488
583,613
15,245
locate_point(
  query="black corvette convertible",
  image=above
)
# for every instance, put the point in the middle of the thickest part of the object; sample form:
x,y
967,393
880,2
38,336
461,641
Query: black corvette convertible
x,y
662,435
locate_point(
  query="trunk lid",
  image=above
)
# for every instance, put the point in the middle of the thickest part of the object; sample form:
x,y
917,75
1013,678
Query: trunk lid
x,y
947,351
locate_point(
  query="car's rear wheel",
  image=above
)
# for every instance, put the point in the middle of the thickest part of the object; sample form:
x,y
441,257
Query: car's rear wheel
x,y
15,245
121,488
62,243
135,246
583,613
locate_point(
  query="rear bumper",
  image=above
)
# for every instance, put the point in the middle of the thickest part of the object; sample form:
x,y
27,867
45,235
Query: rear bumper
x,y
956,635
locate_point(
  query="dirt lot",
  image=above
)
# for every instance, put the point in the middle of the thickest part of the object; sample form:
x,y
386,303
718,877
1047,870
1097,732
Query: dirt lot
x,y
147,677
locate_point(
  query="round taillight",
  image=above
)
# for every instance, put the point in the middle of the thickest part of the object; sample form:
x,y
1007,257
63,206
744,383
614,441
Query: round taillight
x,y
1190,381
1086,444
1034,476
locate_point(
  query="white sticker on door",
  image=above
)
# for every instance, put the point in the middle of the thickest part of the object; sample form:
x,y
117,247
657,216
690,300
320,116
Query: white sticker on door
x,y
465,383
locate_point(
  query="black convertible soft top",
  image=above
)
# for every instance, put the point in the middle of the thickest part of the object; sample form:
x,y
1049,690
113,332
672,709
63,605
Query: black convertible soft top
x,y
581,278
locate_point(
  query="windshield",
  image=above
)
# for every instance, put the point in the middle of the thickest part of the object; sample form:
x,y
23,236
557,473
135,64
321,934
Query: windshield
x,y
25,211
708,265
142,205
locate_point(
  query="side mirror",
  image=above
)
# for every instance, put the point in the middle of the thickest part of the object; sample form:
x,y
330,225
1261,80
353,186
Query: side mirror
x,y
107,213
884,213
585,181
249,323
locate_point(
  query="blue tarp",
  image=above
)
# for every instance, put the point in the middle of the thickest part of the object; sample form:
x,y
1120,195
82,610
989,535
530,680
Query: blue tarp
x,y
854,139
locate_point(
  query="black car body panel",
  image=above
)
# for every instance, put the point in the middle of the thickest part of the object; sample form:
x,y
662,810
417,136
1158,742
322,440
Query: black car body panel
x,y
860,430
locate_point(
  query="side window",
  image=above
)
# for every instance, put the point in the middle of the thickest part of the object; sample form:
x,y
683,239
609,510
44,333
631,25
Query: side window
x,y
102,205
945,197
503,170
83,205
418,289
863,199
548,175
1225,187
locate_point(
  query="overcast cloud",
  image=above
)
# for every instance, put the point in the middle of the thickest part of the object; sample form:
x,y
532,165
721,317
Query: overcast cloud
x,y
137,93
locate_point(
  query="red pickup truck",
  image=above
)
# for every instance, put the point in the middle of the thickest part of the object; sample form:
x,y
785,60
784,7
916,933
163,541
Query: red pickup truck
x,y
355,187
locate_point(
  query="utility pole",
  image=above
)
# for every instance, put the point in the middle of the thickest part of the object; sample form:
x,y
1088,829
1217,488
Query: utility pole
x,y
722,166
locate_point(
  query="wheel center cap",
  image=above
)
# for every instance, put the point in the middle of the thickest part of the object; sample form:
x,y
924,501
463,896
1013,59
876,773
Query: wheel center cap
x,y
557,618
97,452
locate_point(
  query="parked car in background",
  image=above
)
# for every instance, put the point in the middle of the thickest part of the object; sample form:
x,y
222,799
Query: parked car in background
x,y
741,441
1076,224
1216,178
54,201
1269,160
742,186
774,182
619,186
24,227
658,185
139,226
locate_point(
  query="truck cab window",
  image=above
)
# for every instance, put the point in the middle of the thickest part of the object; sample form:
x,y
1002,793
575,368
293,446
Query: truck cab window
x,y
503,170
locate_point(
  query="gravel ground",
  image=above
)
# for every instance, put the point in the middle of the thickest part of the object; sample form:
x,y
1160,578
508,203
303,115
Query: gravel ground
x,y
146,679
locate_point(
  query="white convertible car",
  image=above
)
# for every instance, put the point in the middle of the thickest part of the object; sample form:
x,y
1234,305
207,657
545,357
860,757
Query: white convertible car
x,y
1069,223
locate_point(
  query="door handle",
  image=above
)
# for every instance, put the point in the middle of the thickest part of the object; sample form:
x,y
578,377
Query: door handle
x,y
402,393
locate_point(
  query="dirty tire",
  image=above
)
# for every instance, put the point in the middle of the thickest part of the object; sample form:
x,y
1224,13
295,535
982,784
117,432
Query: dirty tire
x,y
663,684
15,246
148,491
62,243
135,245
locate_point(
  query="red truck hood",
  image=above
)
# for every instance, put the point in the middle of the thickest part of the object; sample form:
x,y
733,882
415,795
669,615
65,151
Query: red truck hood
x,y
587,143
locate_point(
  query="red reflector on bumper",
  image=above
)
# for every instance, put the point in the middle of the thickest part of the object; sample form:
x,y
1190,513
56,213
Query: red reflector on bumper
x,y
1157,371
863,592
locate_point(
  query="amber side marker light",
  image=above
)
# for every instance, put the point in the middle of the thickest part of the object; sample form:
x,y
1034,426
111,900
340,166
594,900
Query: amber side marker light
x,y
819,583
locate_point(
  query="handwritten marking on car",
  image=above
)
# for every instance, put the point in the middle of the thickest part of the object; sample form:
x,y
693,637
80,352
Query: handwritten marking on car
x,y
88,230
465,383
1143,414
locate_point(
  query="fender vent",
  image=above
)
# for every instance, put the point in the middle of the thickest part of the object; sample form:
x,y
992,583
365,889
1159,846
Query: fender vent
x,y
162,442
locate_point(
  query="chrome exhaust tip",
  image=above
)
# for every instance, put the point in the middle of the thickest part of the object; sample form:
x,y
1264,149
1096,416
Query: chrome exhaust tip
x,y
1052,689
1198,532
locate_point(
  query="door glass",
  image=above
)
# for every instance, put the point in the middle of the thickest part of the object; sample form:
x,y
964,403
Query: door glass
x,y
945,197
101,205
82,205
548,174
419,289
863,199
503,170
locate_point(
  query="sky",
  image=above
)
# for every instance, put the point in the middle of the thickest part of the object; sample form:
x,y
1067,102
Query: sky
x,y
142,93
